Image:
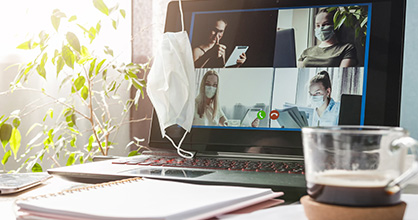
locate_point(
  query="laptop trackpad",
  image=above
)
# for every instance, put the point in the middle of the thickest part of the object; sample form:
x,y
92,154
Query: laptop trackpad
x,y
168,172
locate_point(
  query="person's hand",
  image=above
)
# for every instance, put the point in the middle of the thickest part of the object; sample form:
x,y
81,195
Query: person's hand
x,y
242,59
220,48
255,123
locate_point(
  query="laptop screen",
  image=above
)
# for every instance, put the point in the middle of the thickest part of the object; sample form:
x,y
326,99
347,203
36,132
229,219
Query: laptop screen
x,y
265,69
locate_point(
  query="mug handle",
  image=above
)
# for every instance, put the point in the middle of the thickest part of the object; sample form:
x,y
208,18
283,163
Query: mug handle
x,y
400,182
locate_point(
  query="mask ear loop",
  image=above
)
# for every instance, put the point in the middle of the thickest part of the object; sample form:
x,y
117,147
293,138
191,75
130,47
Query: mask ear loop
x,y
181,152
181,15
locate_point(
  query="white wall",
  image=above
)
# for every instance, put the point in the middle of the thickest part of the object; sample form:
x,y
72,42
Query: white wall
x,y
409,103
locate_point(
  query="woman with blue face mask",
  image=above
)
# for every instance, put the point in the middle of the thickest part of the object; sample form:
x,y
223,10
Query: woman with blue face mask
x,y
326,109
208,112
329,52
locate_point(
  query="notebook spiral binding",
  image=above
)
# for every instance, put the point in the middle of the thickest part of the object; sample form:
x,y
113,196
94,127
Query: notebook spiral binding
x,y
80,189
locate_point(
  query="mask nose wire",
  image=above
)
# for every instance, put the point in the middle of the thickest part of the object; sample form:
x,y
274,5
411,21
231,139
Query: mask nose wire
x,y
181,15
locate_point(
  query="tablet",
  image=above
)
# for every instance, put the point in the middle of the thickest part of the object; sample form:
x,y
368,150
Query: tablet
x,y
249,117
232,60
16,182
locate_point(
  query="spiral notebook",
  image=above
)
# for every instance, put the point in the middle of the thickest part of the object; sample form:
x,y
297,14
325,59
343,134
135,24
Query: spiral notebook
x,y
140,198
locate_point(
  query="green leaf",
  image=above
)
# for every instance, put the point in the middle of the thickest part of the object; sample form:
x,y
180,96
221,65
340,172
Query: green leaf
x,y
73,40
93,33
55,22
115,24
114,8
81,159
99,4
43,36
41,71
84,29
68,56
111,87
104,74
44,59
15,141
137,83
133,153
5,134
85,92
37,168
79,82
123,13
25,45
340,22
6,157
92,65
71,159
98,26
85,52
108,51
49,113
91,141
74,119
73,141
72,18
65,80
60,64
99,66
16,122
56,18
364,22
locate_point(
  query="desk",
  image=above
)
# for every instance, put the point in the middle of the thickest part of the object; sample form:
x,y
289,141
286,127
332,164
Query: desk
x,y
52,185
56,184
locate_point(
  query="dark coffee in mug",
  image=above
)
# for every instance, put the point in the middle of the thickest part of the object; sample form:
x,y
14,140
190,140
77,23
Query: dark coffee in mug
x,y
352,188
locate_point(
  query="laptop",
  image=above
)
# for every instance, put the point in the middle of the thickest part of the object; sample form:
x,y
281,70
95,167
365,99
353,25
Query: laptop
x,y
266,155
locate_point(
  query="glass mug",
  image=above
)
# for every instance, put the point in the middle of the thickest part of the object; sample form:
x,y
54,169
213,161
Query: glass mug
x,y
357,165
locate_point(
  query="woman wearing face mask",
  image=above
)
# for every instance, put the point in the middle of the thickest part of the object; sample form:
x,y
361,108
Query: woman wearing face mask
x,y
208,111
326,109
329,52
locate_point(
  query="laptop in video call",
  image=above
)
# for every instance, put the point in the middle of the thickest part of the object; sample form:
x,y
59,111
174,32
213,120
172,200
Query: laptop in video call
x,y
260,151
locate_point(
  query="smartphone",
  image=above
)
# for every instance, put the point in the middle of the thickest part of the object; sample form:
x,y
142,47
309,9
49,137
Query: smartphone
x,y
16,182
238,50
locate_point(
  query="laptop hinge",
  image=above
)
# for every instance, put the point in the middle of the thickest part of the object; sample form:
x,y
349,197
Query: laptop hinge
x,y
251,156
164,152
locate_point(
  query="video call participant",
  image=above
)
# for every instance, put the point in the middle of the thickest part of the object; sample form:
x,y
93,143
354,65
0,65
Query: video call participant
x,y
326,109
208,111
211,53
330,52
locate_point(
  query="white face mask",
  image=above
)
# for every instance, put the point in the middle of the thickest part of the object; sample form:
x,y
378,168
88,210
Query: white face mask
x,y
324,33
171,83
210,91
317,101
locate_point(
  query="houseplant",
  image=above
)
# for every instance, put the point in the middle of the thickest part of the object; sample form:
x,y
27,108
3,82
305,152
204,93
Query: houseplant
x,y
354,17
90,79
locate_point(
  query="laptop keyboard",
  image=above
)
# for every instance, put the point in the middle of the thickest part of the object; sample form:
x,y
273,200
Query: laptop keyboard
x,y
217,163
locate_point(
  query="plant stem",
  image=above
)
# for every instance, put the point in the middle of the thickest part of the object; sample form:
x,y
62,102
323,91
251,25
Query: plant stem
x,y
93,117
